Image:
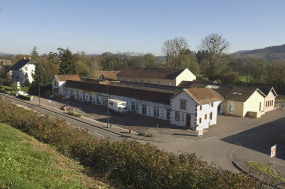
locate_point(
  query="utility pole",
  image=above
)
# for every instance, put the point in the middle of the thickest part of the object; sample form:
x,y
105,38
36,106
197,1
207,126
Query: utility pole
x,y
107,105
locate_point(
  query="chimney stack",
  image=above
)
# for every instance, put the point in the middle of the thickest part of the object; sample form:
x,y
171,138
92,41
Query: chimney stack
x,y
29,58
24,58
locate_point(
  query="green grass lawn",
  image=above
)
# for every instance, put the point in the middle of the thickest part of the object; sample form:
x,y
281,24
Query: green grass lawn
x,y
242,78
265,169
26,163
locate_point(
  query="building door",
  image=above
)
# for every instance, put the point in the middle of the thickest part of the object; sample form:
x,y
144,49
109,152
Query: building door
x,y
133,105
188,120
168,114
156,112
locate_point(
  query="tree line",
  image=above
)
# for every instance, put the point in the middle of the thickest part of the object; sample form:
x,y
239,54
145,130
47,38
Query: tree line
x,y
210,62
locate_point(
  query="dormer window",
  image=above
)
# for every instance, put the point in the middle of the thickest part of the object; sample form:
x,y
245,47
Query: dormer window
x,y
169,83
159,82
148,81
129,79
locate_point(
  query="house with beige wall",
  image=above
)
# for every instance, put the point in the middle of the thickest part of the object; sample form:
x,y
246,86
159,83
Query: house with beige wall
x,y
269,100
158,76
241,101
58,82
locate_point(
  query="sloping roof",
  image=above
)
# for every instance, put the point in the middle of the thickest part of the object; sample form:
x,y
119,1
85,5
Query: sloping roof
x,y
160,73
239,93
151,96
107,74
203,95
21,63
266,90
189,83
67,77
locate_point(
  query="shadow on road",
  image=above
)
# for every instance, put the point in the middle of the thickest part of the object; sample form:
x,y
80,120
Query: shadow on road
x,y
261,138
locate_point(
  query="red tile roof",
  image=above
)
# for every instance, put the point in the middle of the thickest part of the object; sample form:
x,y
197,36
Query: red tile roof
x,y
107,74
67,77
160,73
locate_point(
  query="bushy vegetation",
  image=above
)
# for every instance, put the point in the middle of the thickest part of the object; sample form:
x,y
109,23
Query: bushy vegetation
x,y
145,134
129,163
74,113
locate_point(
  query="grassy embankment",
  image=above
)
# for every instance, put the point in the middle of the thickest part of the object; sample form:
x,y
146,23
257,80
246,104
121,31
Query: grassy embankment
x,y
28,163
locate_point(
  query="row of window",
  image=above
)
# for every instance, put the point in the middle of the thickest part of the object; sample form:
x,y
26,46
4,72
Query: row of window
x,y
148,81
177,117
269,103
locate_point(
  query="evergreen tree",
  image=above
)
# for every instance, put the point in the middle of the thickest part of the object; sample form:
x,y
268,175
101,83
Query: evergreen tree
x,y
67,64
35,54
39,75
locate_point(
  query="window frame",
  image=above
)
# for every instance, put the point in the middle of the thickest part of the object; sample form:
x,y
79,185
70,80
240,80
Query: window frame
x,y
183,104
177,116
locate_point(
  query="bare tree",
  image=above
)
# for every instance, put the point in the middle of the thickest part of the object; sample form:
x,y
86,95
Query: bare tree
x,y
216,47
174,49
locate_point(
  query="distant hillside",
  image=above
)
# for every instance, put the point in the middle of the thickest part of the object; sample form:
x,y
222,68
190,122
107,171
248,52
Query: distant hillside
x,y
1,54
268,53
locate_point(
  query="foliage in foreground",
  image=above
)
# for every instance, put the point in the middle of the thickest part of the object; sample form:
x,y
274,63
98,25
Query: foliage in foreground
x,y
26,163
130,164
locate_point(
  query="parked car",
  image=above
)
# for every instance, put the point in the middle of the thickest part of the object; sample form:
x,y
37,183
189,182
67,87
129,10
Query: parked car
x,y
67,107
22,93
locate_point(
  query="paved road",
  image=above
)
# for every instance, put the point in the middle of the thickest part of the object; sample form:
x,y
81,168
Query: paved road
x,y
218,144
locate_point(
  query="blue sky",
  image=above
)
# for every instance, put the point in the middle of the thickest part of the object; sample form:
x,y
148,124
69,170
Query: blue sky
x,y
137,25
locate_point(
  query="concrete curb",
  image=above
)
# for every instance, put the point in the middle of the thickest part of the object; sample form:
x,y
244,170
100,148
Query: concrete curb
x,y
230,156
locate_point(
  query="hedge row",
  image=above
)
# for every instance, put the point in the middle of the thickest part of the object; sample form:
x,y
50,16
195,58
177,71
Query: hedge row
x,y
129,163
30,90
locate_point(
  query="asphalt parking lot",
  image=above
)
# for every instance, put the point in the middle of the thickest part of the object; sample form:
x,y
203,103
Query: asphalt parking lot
x,y
226,125
254,137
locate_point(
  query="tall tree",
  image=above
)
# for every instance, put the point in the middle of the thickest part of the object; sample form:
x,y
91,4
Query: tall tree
x,y
216,47
39,75
174,49
67,64
81,68
35,54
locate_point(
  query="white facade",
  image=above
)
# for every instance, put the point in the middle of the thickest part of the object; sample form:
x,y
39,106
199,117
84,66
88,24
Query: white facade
x,y
161,111
23,74
193,114
58,85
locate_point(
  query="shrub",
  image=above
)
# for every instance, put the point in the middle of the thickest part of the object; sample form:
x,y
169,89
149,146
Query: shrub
x,y
145,134
129,164
74,113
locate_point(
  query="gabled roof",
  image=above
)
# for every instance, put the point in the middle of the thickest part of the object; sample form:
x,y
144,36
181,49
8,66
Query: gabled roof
x,y
159,73
190,83
151,96
112,75
67,77
266,90
202,95
22,63
239,93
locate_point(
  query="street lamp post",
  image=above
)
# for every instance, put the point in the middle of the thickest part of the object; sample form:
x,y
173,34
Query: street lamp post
x,y
107,106
39,92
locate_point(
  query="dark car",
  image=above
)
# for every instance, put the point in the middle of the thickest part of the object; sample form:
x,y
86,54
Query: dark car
x,y
67,107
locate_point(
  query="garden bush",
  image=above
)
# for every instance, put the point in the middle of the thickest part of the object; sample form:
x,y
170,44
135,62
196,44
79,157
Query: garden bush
x,y
129,164
74,113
